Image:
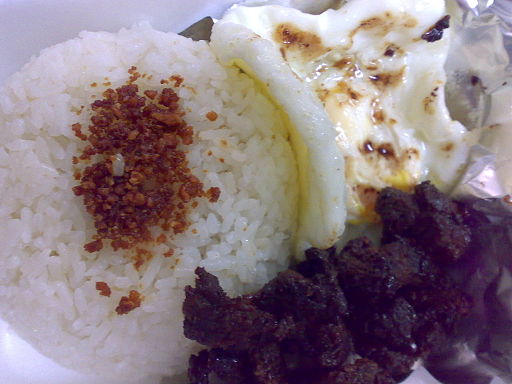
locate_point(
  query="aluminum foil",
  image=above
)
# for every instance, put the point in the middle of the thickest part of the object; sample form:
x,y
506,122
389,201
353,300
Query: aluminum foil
x,y
479,94
479,91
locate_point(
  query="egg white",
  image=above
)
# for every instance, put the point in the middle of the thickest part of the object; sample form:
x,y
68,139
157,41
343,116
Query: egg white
x,y
381,85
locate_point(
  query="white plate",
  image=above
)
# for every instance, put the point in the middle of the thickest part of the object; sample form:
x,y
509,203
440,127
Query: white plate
x,y
26,27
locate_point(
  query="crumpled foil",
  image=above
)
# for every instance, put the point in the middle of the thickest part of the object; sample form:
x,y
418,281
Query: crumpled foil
x,y
479,94
481,350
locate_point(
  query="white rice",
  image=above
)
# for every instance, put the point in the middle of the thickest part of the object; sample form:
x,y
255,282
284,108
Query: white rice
x,y
47,280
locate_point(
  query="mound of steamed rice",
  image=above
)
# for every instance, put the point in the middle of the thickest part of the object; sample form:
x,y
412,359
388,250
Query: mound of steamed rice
x,y
47,280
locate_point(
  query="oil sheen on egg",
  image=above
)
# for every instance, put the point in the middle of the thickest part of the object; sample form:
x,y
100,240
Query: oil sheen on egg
x,y
382,86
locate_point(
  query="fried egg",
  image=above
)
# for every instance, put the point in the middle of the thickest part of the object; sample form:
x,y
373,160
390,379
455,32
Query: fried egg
x,y
381,84
321,210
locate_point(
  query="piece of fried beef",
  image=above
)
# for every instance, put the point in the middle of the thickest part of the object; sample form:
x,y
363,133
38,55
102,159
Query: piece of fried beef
x,y
390,304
